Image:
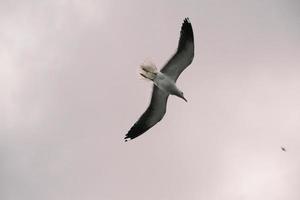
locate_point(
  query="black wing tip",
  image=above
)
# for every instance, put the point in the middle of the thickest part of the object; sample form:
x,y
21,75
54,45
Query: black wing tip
x,y
186,23
187,20
186,33
127,138
133,133
186,26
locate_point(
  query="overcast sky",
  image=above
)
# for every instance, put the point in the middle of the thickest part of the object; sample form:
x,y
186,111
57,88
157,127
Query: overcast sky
x,y
70,92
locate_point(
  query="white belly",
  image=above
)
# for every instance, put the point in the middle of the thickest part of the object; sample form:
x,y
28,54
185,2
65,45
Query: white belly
x,y
164,83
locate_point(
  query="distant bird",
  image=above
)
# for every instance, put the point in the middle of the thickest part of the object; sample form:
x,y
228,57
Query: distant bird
x,y
165,81
283,149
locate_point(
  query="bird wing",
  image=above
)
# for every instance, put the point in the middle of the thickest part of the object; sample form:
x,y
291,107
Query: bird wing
x,y
184,54
154,113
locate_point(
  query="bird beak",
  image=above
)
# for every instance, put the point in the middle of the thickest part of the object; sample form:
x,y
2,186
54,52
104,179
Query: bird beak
x,y
184,98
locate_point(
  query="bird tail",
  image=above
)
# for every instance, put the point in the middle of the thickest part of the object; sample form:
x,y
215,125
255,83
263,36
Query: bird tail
x,y
148,70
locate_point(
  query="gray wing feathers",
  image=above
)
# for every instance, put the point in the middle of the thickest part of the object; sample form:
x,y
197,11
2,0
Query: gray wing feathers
x,y
184,54
154,113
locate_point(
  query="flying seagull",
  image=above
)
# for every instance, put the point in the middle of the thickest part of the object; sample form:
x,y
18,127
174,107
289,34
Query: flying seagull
x,y
164,81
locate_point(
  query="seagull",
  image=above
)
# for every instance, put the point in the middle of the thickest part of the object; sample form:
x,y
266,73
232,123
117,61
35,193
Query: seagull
x,y
164,82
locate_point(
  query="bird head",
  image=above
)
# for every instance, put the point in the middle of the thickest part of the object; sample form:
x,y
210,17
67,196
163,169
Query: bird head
x,y
181,96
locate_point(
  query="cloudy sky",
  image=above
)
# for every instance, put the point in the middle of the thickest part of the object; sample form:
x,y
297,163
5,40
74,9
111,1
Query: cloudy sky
x,y
70,92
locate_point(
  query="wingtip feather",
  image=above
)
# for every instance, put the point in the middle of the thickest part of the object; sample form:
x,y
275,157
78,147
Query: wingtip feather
x,y
187,20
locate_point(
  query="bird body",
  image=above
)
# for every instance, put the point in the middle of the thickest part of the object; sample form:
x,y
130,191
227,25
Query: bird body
x,y
164,82
161,80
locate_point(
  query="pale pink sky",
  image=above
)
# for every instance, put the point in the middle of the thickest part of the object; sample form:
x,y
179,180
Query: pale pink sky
x,y
70,92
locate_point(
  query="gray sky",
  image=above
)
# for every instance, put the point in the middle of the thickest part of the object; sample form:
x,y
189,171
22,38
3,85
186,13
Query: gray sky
x,y
70,92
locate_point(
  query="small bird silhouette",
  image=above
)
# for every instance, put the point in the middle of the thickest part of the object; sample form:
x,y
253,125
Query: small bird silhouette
x,y
283,149
164,82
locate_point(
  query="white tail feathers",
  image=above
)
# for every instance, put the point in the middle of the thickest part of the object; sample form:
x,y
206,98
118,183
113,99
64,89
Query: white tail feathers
x,y
148,70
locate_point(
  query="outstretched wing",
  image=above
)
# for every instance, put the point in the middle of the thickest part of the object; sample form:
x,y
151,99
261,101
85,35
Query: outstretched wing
x,y
154,113
185,52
